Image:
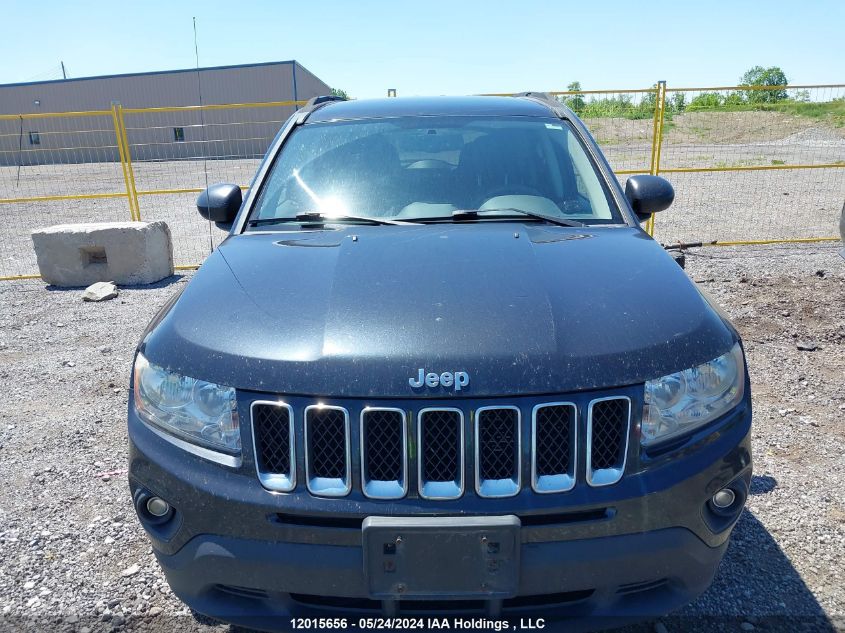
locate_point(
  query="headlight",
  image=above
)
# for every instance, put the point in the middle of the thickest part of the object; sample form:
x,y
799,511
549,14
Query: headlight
x,y
678,403
198,411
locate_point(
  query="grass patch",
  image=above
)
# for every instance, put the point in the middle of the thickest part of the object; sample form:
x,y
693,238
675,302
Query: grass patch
x,y
757,161
832,112
815,110
701,131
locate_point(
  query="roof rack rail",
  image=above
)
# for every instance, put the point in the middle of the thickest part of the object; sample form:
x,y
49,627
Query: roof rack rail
x,y
315,103
560,110
537,95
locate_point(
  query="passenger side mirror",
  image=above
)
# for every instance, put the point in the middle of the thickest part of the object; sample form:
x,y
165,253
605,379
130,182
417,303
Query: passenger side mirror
x,y
648,194
220,203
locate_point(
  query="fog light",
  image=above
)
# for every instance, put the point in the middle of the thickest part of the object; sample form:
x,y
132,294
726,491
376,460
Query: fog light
x,y
158,507
724,498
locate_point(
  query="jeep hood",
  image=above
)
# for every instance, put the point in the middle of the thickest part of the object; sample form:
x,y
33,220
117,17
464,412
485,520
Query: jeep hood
x,y
357,311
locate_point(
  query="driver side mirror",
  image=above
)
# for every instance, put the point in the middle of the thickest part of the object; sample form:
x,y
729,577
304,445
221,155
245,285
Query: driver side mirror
x,y
220,203
648,194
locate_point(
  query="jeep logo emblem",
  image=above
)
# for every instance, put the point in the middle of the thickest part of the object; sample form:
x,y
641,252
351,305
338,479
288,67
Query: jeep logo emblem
x,y
458,379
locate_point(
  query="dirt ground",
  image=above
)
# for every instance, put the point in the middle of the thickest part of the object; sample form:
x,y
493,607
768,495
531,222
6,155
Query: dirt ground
x,y
74,558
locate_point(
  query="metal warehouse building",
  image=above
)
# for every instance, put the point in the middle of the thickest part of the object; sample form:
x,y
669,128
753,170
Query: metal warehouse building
x,y
161,131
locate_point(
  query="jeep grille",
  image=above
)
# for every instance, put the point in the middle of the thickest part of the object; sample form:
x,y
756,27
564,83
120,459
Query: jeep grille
x,y
386,455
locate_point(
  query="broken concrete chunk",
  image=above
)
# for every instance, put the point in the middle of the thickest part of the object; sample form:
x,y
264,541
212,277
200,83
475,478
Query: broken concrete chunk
x,y
100,291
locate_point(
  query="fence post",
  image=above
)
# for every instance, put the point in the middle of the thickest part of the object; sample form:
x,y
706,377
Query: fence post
x,y
121,152
654,129
134,192
657,140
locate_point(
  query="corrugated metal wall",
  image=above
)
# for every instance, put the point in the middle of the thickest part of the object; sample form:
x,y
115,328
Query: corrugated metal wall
x,y
164,136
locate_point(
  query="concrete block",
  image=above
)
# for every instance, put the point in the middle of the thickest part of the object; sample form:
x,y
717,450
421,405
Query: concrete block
x,y
127,253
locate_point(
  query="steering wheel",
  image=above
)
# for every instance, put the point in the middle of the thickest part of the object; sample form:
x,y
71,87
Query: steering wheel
x,y
430,163
513,190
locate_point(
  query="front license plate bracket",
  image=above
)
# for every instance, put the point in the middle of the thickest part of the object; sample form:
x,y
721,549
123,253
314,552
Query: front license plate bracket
x,y
441,558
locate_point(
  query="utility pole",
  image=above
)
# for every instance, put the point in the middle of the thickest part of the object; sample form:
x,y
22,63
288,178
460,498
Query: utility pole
x,y
64,73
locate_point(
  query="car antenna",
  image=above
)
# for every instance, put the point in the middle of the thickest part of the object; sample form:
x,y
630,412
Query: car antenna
x,y
202,126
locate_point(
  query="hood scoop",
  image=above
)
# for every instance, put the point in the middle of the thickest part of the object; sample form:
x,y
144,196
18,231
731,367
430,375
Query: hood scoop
x,y
315,239
549,235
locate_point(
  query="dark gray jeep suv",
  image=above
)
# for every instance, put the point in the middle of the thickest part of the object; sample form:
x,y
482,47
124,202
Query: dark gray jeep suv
x,y
437,366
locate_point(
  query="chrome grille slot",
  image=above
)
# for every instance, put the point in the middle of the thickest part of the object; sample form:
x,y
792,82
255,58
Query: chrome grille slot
x,y
273,441
327,462
441,453
384,453
608,426
497,451
554,437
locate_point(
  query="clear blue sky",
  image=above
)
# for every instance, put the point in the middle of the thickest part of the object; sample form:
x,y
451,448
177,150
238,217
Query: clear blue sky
x,y
436,46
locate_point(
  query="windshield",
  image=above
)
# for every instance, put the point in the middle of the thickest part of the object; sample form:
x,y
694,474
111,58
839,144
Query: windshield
x,y
414,168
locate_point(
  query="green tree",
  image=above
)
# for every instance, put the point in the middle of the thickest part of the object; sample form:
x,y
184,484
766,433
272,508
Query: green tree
x,y
678,102
759,76
576,102
647,105
337,92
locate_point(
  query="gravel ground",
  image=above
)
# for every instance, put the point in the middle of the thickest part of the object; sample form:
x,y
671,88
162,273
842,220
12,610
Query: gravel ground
x,y
74,558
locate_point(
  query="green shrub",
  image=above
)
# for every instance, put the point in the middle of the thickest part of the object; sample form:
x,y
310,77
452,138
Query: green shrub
x,y
706,101
621,106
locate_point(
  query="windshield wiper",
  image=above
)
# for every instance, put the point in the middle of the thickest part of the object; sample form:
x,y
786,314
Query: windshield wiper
x,y
469,215
322,218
